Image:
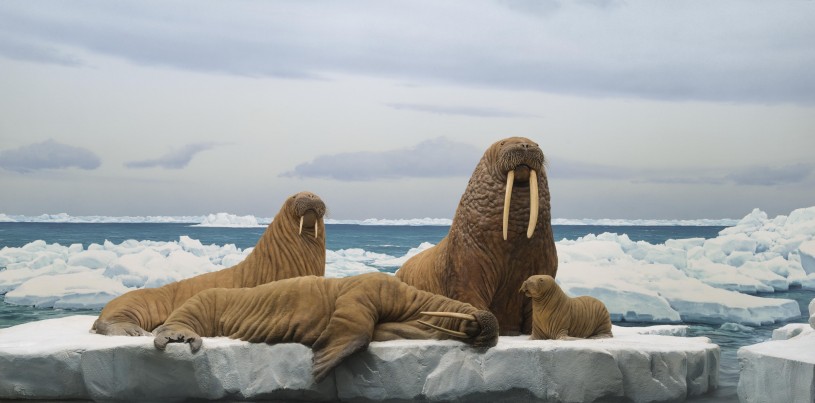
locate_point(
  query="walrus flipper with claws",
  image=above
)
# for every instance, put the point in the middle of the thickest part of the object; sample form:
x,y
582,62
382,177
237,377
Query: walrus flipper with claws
x,y
501,234
336,317
293,245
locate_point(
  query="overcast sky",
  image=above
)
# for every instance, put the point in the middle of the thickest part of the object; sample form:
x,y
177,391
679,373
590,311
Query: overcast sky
x,y
644,109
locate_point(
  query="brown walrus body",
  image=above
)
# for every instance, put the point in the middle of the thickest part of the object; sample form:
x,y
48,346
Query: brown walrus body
x,y
335,316
484,258
286,249
558,316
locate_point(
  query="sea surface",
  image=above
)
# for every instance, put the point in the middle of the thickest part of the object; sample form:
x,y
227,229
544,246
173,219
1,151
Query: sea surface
x,y
392,240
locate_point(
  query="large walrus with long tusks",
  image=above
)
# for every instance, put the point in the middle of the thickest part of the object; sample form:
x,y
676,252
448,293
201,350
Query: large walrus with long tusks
x,y
558,316
335,316
292,245
501,234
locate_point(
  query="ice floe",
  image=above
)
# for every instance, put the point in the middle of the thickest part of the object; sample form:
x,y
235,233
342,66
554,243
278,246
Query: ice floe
x,y
60,359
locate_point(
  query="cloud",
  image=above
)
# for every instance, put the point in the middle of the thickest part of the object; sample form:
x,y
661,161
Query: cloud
x,y
770,176
175,159
48,155
437,158
692,50
744,176
458,110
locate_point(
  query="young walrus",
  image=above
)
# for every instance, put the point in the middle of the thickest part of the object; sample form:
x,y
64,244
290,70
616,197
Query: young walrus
x,y
293,245
555,315
501,234
335,316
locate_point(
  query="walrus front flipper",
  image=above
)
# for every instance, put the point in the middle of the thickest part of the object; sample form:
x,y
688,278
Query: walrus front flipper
x,y
118,329
176,334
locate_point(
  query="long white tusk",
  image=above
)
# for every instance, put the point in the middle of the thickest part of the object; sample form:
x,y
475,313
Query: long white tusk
x,y
301,226
443,330
315,228
533,203
454,315
507,198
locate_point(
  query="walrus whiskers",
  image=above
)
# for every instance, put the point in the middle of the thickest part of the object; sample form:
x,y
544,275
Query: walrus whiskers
x,y
507,198
301,226
533,203
454,315
444,330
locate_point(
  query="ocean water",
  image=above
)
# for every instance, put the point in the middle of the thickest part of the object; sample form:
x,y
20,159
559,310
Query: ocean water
x,y
391,240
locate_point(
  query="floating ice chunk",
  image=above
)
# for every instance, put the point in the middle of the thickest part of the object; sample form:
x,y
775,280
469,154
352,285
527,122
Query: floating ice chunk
x,y
193,246
93,259
780,370
87,289
391,261
807,252
812,313
735,327
229,220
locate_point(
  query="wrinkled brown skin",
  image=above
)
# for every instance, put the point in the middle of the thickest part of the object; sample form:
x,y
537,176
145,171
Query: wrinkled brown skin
x,y
279,254
558,316
335,316
473,263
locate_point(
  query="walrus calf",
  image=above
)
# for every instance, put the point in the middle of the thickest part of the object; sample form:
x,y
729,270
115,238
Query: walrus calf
x,y
558,316
291,246
335,316
501,234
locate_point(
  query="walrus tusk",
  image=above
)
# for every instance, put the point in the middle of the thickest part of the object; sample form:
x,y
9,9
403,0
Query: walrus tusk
x,y
301,226
507,198
315,228
533,203
443,330
455,315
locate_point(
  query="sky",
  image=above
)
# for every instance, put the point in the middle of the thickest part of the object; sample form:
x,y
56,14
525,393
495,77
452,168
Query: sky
x,y
643,109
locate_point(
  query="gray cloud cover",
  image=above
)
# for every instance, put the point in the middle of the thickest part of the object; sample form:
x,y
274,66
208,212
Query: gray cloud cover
x,y
691,50
458,110
437,158
48,155
175,159
744,176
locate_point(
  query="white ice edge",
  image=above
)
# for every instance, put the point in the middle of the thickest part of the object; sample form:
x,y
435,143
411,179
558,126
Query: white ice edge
x,y
59,358
692,280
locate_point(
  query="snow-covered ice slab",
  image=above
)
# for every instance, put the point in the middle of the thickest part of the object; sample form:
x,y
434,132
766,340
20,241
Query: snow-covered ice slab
x,y
780,370
59,358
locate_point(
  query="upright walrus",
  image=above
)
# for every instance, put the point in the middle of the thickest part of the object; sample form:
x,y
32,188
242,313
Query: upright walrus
x,y
335,316
500,236
292,245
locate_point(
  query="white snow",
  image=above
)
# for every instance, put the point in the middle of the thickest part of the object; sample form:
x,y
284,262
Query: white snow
x,y
780,370
229,220
60,359
682,280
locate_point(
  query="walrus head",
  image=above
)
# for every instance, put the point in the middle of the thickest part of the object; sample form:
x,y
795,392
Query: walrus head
x,y
518,160
308,209
538,286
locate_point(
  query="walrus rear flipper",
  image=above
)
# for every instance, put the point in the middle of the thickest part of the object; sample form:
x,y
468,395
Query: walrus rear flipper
x,y
350,329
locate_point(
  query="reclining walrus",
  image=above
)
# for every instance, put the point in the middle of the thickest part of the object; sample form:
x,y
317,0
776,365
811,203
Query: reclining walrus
x,y
335,316
292,245
558,316
492,246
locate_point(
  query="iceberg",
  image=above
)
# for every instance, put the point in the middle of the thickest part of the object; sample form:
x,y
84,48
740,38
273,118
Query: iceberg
x,y
230,221
60,359
779,370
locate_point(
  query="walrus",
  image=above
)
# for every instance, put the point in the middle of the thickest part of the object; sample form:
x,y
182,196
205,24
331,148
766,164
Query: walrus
x,y
501,234
334,316
292,245
558,316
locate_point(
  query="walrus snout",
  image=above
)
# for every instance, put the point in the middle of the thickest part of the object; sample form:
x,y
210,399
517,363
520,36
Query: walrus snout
x,y
309,208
